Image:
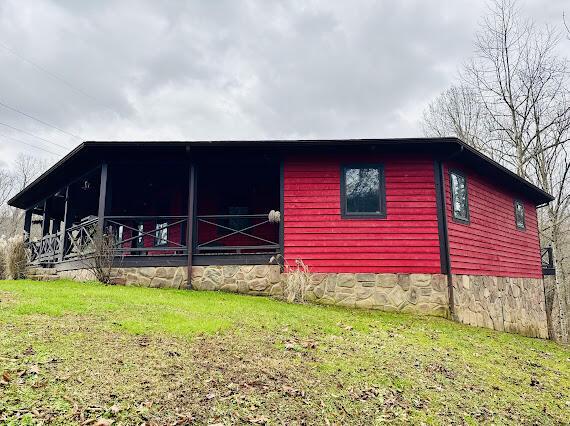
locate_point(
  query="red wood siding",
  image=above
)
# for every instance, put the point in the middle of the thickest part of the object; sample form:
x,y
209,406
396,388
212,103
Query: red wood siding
x,y
406,241
491,244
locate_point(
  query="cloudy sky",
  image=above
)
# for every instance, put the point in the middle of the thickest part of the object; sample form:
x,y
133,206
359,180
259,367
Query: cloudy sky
x,y
159,70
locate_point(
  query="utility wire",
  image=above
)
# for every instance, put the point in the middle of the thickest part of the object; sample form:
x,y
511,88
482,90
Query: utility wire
x,y
60,79
35,136
38,120
48,72
29,144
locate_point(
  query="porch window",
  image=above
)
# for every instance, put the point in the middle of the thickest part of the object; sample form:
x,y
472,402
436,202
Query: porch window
x,y
161,234
138,241
363,192
459,197
519,215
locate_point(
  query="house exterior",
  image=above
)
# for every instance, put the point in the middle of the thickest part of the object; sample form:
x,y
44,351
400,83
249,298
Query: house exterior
x,y
418,225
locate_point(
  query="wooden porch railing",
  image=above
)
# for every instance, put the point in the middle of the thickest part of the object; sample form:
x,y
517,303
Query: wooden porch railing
x,y
44,250
161,236
148,235
240,233
80,239
547,258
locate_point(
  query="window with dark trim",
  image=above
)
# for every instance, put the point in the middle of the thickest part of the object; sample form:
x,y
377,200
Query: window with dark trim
x,y
161,234
459,197
362,191
519,215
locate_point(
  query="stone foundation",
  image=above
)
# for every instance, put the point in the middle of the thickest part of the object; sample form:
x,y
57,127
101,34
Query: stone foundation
x,y
159,277
419,293
505,304
501,303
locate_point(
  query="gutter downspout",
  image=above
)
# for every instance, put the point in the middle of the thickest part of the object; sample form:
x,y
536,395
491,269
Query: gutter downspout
x,y
443,228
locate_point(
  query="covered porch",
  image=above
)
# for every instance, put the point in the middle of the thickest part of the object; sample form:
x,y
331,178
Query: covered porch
x,y
200,210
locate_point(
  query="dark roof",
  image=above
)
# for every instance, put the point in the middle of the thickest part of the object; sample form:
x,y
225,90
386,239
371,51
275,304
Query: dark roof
x,y
88,153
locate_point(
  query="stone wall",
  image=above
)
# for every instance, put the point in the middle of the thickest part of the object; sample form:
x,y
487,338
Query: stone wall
x,y
159,277
259,280
419,293
501,303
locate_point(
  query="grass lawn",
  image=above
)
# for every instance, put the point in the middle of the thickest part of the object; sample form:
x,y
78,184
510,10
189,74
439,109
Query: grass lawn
x,y
74,353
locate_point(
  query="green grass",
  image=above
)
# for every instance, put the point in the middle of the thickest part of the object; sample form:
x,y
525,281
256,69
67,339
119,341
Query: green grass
x,y
77,352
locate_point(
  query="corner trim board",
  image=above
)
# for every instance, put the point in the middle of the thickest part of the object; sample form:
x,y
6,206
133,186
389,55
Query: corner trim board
x,y
444,255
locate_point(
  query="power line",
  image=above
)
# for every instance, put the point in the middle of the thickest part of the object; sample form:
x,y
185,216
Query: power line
x,y
35,136
29,144
48,72
60,79
38,120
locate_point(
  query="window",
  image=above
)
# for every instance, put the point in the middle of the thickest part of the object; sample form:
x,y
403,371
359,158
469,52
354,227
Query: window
x,y
519,215
459,198
161,234
363,191
138,241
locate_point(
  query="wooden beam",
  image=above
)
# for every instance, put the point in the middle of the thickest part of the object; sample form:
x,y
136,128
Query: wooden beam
x,y
27,224
191,215
103,198
67,221
45,220
282,214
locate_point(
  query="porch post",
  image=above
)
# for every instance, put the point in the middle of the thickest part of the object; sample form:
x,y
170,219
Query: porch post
x,y
102,211
63,241
190,224
45,220
27,224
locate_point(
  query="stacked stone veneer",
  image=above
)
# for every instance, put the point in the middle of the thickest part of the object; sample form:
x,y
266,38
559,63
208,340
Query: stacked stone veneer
x,y
421,293
500,303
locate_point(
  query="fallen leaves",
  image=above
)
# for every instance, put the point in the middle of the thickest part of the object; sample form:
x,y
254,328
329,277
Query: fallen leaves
x,y
29,351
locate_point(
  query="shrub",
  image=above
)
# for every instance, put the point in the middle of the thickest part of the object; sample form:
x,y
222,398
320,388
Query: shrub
x,y
297,279
99,257
3,246
13,259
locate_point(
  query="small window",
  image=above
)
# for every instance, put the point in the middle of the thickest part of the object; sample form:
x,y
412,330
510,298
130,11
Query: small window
x,y
362,191
161,234
519,215
459,198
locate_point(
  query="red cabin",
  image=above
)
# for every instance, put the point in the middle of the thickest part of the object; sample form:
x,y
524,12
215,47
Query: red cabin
x,y
423,225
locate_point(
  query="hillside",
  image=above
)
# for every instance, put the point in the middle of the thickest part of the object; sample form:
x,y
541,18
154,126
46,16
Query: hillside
x,y
73,353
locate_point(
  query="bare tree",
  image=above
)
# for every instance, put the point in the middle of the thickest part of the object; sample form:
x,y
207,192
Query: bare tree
x,y
458,112
6,185
522,86
98,256
24,170
516,72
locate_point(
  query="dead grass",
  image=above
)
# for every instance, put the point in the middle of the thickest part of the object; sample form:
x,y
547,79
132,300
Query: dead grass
x,y
90,357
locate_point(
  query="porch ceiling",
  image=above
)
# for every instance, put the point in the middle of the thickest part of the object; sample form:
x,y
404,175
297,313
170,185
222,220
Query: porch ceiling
x,y
90,154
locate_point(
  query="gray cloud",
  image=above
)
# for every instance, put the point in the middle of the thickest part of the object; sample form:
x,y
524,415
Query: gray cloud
x,y
226,69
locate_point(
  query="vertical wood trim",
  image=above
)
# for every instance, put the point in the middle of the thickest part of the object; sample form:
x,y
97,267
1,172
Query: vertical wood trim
x,y
45,220
444,254
27,224
282,212
190,220
64,242
102,198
